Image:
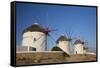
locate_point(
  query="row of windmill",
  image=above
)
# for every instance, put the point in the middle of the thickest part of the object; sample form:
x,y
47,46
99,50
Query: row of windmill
x,y
35,39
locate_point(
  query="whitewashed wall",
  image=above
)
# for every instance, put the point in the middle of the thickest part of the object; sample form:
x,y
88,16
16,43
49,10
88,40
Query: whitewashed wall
x,y
78,49
64,45
28,40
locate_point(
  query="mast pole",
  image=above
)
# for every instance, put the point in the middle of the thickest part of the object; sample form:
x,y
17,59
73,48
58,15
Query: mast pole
x,y
46,43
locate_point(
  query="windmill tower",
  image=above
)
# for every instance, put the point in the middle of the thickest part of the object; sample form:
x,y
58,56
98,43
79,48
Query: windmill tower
x,y
33,37
63,43
79,47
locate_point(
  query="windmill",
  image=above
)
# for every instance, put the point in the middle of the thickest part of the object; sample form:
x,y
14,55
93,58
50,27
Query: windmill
x,y
36,36
63,42
80,46
68,34
74,39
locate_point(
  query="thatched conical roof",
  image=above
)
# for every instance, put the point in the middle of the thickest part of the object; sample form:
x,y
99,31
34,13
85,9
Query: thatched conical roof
x,y
63,38
78,42
34,27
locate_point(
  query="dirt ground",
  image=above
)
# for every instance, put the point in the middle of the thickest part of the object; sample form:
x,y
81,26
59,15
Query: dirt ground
x,y
45,58
78,58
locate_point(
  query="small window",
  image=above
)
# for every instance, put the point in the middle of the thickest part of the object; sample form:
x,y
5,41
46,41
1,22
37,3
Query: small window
x,y
34,39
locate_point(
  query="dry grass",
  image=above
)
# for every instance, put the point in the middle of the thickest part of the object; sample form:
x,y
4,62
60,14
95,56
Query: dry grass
x,y
41,58
79,58
38,58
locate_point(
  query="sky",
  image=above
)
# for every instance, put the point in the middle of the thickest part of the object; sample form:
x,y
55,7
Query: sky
x,y
76,21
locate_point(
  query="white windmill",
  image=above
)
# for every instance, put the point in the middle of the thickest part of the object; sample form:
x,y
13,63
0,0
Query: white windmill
x,y
79,47
30,37
35,38
64,43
